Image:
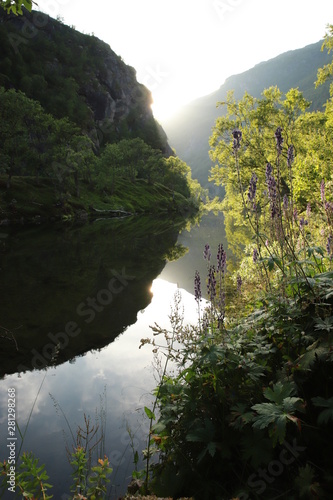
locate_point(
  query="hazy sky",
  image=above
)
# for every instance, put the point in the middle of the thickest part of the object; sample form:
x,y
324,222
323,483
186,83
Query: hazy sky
x,y
183,49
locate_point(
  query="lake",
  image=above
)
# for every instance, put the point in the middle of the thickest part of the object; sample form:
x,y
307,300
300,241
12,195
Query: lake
x,y
76,300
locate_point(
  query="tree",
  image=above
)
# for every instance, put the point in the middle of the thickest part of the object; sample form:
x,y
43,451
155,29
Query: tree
x,y
25,131
108,166
15,6
326,72
256,122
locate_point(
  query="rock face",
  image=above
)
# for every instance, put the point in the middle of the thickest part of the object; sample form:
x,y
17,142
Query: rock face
x,y
47,59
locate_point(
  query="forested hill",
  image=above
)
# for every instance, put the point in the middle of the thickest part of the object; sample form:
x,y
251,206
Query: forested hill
x,y
77,130
190,129
78,76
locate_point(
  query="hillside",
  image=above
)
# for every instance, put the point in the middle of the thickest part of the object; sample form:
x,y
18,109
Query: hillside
x,y
189,130
78,76
77,128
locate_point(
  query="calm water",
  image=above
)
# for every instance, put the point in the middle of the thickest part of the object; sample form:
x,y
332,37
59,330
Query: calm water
x,y
78,301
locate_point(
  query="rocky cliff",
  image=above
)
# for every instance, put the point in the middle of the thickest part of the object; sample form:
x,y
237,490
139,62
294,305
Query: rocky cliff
x,y
76,76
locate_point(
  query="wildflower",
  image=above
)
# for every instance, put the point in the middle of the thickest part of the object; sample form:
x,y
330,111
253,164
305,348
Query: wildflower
x,y
253,187
290,155
279,139
197,287
295,215
211,284
329,246
269,171
237,135
329,207
207,253
255,255
272,191
239,283
302,223
221,259
322,190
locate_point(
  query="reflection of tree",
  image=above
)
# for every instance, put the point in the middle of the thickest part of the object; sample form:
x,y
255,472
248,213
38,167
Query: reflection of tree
x,y
176,252
55,278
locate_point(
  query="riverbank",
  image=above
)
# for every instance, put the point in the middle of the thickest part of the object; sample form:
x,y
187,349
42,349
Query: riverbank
x,y
30,201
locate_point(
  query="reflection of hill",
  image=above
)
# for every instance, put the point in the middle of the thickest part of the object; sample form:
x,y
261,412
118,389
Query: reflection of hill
x,y
90,280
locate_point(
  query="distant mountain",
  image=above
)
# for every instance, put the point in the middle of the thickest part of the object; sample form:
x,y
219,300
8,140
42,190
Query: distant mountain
x,y
189,131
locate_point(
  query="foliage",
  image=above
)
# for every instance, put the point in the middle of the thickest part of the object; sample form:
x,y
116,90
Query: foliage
x,y
39,146
89,481
32,480
247,412
15,6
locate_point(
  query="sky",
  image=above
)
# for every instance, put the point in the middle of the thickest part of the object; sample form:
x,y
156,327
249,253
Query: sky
x,y
185,49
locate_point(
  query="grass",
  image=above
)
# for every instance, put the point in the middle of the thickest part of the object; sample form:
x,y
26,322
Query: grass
x,y
29,201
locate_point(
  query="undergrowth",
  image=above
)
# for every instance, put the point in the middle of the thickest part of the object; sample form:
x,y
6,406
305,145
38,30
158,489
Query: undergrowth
x,y
249,411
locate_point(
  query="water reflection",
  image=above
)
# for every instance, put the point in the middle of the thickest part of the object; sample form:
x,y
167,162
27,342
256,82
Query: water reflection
x,y
118,377
210,230
64,292
53,279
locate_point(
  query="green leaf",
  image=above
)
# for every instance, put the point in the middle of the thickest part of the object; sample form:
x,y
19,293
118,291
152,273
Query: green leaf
x,y
279,392
202,434
276,415
327,414
305,483
149,413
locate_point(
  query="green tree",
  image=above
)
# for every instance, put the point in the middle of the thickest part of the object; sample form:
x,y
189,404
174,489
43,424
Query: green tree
x,y
25,131
15,6
325,73
108,167
257,120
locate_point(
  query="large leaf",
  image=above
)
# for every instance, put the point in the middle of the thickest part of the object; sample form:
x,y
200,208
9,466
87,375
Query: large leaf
x,y
326,414
279,412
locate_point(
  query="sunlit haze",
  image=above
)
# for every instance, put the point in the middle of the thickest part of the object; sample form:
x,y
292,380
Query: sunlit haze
x,y
184,49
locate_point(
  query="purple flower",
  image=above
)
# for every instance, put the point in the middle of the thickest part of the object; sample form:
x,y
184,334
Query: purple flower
x,y
329,246
255,255
295,215
279,140
252,188
207,253
302,222
197,287
272,191
269,171
211,284
290,155
329,207
221,259
322,190
237,135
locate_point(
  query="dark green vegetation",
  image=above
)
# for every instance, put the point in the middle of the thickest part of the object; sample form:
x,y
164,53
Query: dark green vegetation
x,y
249,412
77,130
51,275
189,131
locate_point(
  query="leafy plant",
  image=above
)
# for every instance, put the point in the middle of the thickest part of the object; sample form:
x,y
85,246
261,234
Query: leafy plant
x,y
281,410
